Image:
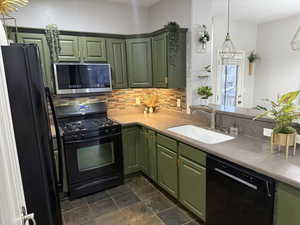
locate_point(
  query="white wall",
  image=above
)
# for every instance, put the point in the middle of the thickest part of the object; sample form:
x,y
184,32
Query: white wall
x,y
244,36
278,71
169,10
84,15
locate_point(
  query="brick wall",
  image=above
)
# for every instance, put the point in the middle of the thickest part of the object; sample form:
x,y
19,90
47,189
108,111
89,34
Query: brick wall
x,y
125,99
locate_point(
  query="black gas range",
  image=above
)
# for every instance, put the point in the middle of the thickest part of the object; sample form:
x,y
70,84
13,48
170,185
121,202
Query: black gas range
x,y
88,128
92,148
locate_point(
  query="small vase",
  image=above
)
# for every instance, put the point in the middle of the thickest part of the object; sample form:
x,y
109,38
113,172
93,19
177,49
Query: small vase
x,y
251,68
204,102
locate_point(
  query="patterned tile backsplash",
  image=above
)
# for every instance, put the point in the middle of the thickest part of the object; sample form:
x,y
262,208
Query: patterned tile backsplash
x,y
125,99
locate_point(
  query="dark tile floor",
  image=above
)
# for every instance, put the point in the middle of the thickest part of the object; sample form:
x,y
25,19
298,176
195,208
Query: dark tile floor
x,y
137,202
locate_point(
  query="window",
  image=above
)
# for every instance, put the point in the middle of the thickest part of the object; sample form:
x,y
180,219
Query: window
x,y
230,80
229,85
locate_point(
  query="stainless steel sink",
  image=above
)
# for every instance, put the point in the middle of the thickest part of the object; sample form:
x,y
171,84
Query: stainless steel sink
x,y
200,134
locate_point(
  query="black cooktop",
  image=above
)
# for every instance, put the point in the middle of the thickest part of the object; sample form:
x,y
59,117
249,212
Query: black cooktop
x,y
87,125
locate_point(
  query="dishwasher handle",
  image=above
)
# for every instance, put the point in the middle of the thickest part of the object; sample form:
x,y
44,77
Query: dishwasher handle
x,y
236,178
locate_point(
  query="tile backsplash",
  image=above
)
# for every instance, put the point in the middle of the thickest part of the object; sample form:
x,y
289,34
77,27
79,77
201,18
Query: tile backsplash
x,y
125,99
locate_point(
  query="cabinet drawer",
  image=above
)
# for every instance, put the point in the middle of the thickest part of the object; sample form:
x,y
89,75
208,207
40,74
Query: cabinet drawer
x,y
167,142
192,154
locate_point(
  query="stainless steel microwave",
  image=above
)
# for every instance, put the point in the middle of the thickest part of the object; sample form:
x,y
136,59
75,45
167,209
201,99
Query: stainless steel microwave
x,y
76,78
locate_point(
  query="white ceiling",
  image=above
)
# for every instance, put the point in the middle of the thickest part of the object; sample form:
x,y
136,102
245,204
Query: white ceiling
x,y
144,3
258,11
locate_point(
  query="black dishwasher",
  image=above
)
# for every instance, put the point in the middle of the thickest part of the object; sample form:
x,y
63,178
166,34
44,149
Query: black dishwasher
x,y
237,196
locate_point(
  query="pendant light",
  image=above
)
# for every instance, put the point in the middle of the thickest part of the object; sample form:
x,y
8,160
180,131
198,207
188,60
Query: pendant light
x,y
295,44
228,49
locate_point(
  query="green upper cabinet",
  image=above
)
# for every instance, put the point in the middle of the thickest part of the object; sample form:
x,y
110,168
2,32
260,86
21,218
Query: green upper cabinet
x,y
40,41
130,137
94,49
287,205
167,170
139,62
70,50
192,177
116,57
177,62
152,169
159,59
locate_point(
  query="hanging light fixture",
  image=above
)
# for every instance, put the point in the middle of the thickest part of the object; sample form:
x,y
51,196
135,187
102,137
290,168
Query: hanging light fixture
x,y
228,49
295,43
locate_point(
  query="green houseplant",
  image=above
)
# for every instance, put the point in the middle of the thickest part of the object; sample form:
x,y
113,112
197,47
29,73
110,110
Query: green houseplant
x,y
204,92
252,58
204,37
284,112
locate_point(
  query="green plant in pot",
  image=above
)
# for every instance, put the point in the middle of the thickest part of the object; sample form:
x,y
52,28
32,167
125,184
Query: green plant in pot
x,y
284,112
204,92
252,58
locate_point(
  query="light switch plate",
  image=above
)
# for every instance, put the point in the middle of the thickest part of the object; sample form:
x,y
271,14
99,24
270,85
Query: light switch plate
x,y
137,100
178,102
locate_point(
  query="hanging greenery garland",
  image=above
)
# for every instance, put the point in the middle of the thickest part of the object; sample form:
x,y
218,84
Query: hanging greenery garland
x,y
52,36
173,43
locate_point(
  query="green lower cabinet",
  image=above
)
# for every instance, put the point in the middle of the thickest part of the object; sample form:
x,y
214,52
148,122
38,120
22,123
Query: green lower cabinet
x,y
192,186
287,205
167,170
152,169
143,151
40,41
130,137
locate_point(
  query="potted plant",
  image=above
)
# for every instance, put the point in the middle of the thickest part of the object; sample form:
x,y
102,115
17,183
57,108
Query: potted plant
x,y
252,58
205,92
204,37
284,112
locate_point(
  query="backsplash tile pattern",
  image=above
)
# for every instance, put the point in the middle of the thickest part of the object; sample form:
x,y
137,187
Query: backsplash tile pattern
x,y
125,99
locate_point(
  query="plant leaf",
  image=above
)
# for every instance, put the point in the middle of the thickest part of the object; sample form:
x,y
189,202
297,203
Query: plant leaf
x,y
289,97
261,115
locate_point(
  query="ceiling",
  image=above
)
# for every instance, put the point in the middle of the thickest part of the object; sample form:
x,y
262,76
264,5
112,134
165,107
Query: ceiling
x,y
258,11
144,3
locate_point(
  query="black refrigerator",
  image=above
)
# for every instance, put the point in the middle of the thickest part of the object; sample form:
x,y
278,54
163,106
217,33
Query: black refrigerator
x,y
32,131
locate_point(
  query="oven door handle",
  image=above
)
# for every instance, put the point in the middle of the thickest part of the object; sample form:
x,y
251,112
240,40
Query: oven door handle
x,y
93,139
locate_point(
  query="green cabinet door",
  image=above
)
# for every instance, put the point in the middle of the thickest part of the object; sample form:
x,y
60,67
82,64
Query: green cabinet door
x,y
152,169
192,177
40,41
94,49
70,51
143,150
167,170
139,62
130,137
116,57
159,60
287,205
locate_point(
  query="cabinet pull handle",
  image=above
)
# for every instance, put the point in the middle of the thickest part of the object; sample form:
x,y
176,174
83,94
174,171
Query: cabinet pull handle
x,y
166,80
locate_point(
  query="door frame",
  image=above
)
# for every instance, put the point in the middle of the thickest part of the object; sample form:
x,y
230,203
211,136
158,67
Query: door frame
x,y
11,188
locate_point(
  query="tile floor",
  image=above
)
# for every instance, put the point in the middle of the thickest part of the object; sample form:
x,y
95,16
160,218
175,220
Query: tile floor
x,y
137,202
